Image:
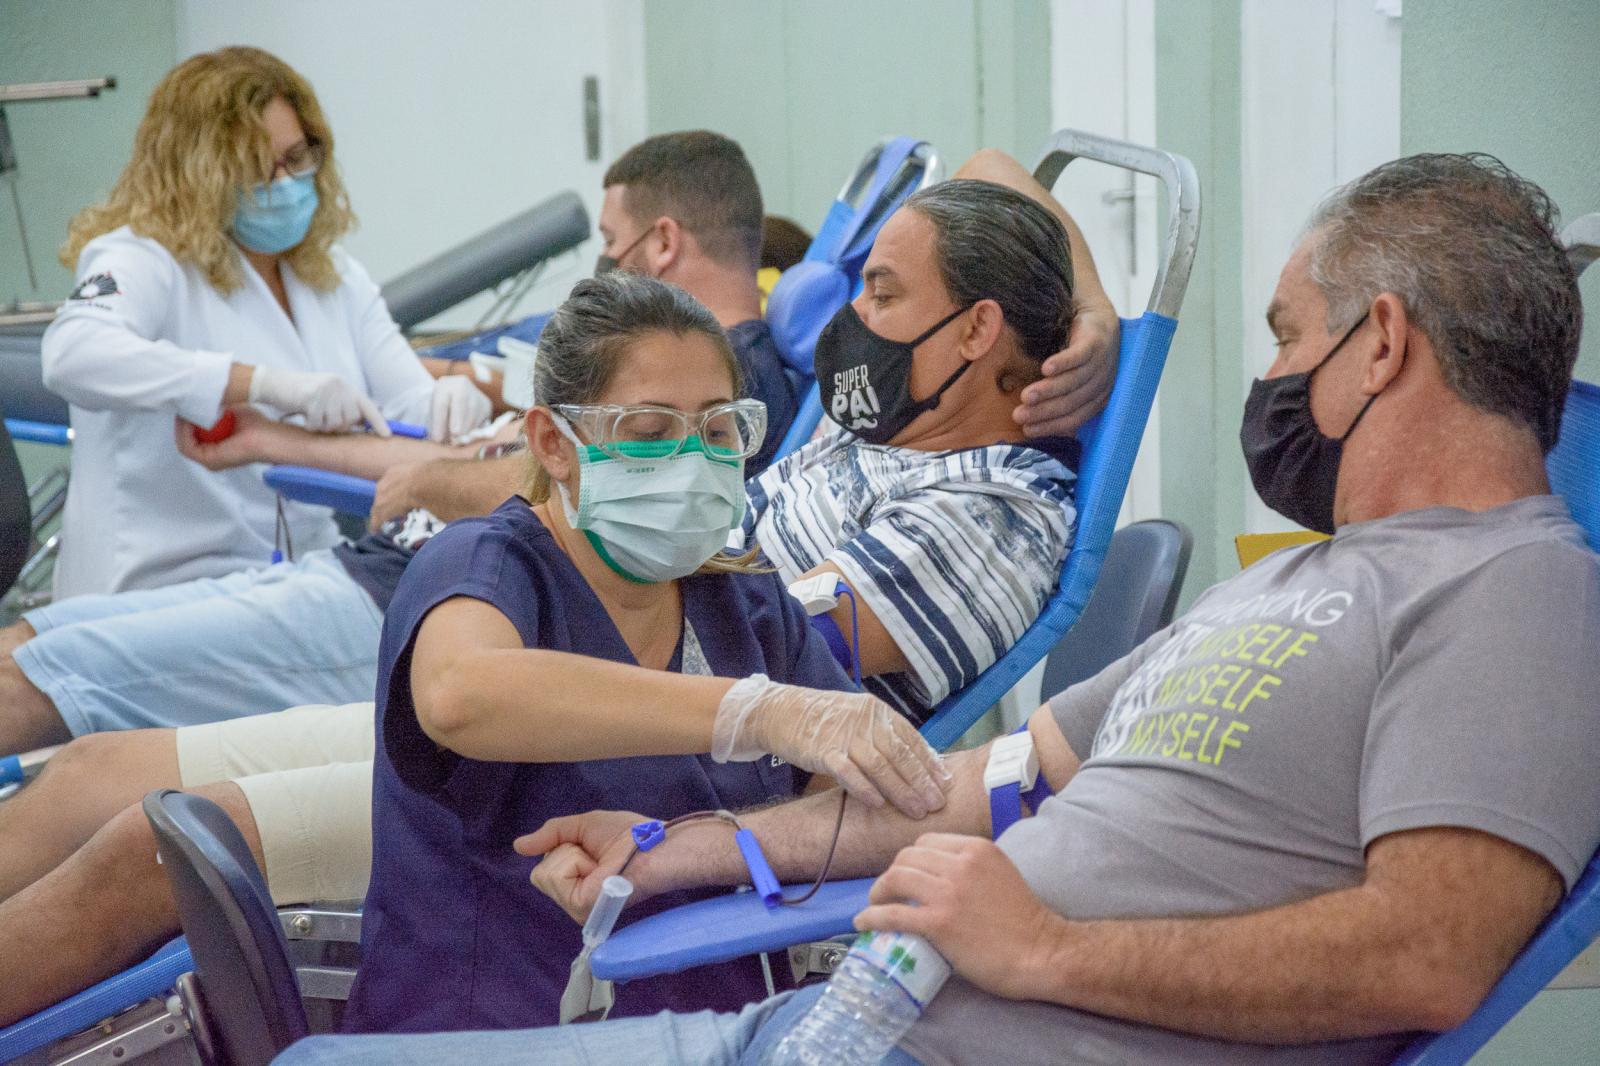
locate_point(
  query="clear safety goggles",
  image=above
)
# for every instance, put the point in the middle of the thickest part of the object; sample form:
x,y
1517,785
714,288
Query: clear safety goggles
x,y
729,430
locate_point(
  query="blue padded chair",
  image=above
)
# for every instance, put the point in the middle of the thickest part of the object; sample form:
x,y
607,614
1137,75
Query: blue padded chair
x,y
812,291
152,978
730,926
1137,594
33,412
248,1001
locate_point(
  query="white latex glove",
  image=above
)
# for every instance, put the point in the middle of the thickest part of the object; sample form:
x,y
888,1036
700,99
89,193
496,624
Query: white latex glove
x,y
326,401
458,408
857,739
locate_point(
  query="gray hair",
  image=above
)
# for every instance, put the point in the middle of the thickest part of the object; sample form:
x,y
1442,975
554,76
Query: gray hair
x,y
584,342
994,243
1472,251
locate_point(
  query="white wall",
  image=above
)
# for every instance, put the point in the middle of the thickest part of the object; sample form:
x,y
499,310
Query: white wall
x,y
451,117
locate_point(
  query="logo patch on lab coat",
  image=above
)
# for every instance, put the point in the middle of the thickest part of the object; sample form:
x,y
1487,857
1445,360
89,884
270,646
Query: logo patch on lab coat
x,y
95,285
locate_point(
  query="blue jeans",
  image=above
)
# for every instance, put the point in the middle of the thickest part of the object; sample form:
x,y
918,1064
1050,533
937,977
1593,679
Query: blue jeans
x,y
205,650
703,1039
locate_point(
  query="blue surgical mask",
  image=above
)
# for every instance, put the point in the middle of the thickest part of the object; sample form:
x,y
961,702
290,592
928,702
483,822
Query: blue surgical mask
x,y
274,217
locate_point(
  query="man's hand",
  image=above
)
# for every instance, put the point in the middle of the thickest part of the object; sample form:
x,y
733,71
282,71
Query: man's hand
x,y
1077,380
396,493
580,851
250,441
967,898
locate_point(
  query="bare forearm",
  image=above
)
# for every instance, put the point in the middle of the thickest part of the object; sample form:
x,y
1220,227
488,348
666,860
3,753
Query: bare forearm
x,y
238,390
1332,967
533,705
795,836
460,488
357,454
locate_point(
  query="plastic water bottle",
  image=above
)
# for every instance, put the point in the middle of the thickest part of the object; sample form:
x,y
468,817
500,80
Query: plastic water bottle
x,y
874,996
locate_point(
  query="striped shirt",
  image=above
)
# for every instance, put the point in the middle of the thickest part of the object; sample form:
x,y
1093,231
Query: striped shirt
x,y
955,552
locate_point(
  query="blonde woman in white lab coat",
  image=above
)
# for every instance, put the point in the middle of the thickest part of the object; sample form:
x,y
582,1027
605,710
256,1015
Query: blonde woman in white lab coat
x,y
208,278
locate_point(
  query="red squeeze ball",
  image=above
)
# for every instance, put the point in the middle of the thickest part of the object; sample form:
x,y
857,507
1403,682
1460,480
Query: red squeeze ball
x,y
219,432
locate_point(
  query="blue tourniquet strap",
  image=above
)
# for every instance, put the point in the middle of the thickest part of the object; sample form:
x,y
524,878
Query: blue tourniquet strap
x,y
1005,807
833,637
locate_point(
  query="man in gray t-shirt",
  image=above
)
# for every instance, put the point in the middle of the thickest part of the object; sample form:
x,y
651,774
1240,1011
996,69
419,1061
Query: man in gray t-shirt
x,y
1434,668
1326,807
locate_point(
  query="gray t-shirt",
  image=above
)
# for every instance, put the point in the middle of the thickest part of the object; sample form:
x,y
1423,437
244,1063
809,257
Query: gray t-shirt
x,y
1435,668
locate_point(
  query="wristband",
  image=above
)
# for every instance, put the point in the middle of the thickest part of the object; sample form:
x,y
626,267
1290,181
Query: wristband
x,y
1012,768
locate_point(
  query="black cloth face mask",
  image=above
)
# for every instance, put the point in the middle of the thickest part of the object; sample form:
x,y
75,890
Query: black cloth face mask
x,y
865,379
605,264
1293,465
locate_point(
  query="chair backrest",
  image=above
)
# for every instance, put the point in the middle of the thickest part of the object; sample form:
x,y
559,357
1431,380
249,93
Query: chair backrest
x,y
16,512
22,378
1111,439
812,291
1574,467
1137,594
246,983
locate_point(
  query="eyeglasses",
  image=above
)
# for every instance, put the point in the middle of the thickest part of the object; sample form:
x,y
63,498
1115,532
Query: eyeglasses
x,y
729,430
301,161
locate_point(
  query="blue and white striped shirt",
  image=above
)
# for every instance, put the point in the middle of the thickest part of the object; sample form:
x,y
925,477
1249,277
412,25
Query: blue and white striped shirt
x,y
955,552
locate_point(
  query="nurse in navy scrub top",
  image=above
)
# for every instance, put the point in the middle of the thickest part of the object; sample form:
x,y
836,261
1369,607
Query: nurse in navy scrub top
x,y
576,650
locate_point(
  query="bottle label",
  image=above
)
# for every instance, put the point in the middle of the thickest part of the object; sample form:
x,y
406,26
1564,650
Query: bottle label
x,y
910,961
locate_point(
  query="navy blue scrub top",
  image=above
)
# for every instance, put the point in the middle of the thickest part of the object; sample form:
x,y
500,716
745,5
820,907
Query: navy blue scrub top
x,y
454,936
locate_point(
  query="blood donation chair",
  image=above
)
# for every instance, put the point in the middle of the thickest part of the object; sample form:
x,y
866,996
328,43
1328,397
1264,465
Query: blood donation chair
x,y
812,291
740,924
806,297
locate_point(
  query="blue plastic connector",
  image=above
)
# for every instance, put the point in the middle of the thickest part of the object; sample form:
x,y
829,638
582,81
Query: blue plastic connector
x,y
11,771
647,835
761,875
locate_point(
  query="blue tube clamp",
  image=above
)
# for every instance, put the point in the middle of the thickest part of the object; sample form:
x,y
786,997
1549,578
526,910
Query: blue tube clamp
x,y
647,835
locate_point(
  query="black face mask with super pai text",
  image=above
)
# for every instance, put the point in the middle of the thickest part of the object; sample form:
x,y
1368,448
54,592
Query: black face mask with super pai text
x,y
865,380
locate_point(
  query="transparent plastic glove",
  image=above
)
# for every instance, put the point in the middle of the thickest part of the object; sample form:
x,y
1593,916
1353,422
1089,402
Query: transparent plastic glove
x,y
326,401
857,739
458,408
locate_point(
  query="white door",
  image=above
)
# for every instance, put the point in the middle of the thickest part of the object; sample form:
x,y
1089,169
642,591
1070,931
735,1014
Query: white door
x,y
450,118
1102,59
1320,81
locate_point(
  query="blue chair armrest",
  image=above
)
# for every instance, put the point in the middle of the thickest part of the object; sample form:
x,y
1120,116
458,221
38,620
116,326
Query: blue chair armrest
x,y
152,977
723,928
346,494
39,432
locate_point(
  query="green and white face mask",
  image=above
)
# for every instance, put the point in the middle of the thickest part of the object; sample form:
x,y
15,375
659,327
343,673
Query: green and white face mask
x,y
650,515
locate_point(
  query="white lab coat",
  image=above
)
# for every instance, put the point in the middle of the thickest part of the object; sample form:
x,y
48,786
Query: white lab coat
x,y
144,338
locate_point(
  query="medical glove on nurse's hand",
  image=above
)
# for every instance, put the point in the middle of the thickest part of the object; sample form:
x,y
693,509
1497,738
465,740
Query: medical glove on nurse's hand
x,y
327,402
458,408
860,741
